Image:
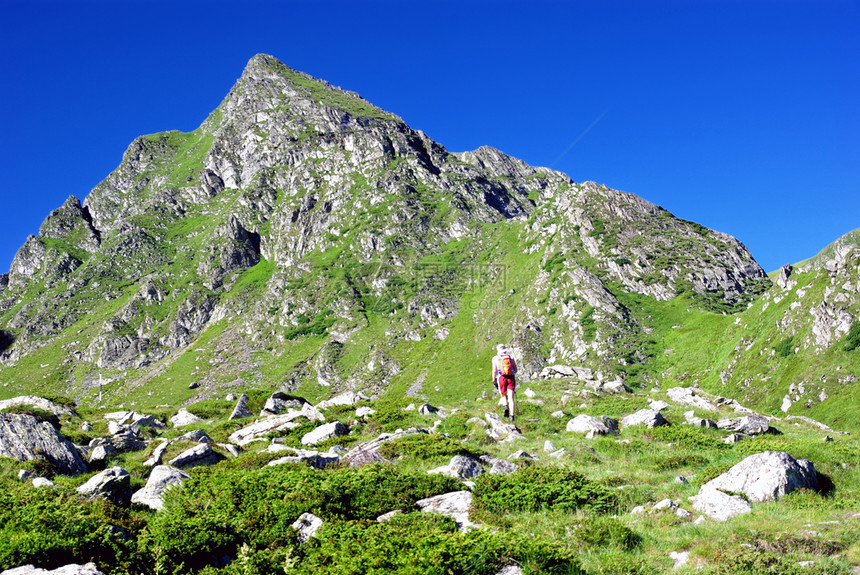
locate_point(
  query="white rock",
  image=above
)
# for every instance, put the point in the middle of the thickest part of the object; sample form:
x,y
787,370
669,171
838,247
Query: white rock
x,y
680,559
324,432
307,525
162,478
718,505
548,446
184,417
42,482
767,476
455,505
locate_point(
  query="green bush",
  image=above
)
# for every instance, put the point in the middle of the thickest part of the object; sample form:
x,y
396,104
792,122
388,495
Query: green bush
x,y
223,508
598,531
55,527
852,338
785,348
537,488
687,436
424,446
417,543
212,408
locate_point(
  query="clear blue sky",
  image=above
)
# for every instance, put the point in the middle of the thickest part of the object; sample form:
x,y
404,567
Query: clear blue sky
x,y
741,116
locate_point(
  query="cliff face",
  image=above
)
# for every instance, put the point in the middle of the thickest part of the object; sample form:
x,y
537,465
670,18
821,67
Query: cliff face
x,y
302,235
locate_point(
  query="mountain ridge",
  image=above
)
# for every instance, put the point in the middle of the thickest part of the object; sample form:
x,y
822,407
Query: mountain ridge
x,y
303,237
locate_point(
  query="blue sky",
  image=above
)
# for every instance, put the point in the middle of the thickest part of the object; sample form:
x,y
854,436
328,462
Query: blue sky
x,y
741,116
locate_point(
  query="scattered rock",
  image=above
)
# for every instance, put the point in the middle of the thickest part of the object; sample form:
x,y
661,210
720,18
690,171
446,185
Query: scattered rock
x,y
499,466
157,454
647,417
368,452
193,385
680,559
734,438
314,459
38,402
748,425
455,505
274,423
364,411
23,437
162,478
113,484
558,414
461,467
388,516
307,525
681,480
184,417
767,476
687,396
346,398
324,432
520,454
548,446
100,453
241,409
718,505
198,455
586,423
658,405
427,409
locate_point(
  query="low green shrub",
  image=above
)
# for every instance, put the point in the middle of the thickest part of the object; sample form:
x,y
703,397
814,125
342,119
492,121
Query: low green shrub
x,y
55,527
424,446
678,460
600,531
212,408
687,436
223,508
852,338
536,488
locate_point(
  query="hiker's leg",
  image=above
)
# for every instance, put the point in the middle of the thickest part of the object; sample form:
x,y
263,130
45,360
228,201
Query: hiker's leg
x,y
511,401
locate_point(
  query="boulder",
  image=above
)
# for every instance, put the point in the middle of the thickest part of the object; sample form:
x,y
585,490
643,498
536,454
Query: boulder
x,y
718,505
241,410
100,453
23,437
184,417
162,478
499,466
659,405
748,425
314,459
647,417
767,476
583,423
198,455
157,454
41,482
427,409
197,435
461,467
364,411
113,484
345,398
688,396
307,525
324,432
279,402
502,428
38,402
455,505
274,423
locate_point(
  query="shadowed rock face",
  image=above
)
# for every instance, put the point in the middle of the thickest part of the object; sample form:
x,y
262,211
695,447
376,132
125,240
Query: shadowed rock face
x,y
23,437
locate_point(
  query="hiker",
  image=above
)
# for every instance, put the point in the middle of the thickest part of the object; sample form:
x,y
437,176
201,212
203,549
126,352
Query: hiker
x,y
504,371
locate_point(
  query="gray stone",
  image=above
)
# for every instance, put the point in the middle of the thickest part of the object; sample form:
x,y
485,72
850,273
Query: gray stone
x,y
520,454
113,484
324,432
241,409
100,453
184,417
24,475
41,482
455,505
584,423
162,478
427,409
688,396
499,466
647,417
345,398
511,570
718,505
548,445
314,459
557,414
197,435
748,425
157,454
25,438
767,476
197,456
364,411
465,467
734,438
38,402
274,423
658,405
307,525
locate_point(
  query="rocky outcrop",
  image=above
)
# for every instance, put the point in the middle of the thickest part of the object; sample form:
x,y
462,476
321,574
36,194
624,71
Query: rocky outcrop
x,y
23,437
647,417
113,484
767,476
162,478
455,505
72,569
37,402
368,452
324,432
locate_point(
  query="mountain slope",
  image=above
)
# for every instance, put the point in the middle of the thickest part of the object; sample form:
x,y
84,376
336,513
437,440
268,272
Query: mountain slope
x,y
302,237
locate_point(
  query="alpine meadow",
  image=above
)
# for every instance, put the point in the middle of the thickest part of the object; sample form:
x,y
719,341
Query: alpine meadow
x,y
264,346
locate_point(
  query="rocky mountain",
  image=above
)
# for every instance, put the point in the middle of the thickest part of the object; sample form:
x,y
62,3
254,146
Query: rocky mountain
x,y
302,238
